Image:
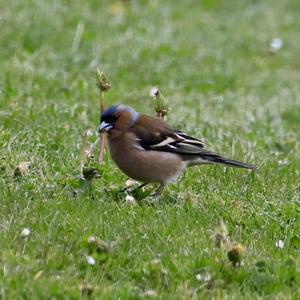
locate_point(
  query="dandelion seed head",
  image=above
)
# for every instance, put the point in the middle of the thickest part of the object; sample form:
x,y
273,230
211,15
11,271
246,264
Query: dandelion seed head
x,y
275,44
154,92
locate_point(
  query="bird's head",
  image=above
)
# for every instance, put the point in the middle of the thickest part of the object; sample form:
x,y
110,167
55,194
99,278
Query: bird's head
x,y
118,117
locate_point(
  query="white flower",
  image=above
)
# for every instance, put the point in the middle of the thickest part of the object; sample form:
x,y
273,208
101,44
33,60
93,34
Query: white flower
x,y
25,232
155,262
203,277
154,92
91,239
284,162
150,293
199,277
279,244
275,44
130,182
130,199
145,236
91,260
89,132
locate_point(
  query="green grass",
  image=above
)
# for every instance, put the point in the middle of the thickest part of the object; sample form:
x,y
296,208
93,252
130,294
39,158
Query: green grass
x,y
211,61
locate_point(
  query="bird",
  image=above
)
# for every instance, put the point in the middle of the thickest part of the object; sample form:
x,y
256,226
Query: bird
x,y
148,150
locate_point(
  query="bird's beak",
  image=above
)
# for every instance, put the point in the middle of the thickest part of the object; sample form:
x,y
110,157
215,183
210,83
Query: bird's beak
x,y
104,127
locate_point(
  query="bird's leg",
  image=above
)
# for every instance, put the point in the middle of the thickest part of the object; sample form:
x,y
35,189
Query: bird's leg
x,y
137,188
124,190
159,190
140,186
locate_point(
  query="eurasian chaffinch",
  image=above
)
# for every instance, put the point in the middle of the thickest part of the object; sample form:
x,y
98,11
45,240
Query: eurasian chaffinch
x,y
148,150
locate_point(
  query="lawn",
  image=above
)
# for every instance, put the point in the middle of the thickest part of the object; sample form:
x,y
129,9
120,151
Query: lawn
x,y
211,59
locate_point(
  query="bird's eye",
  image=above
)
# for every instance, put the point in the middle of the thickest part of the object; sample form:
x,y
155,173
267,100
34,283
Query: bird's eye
x,y
113,119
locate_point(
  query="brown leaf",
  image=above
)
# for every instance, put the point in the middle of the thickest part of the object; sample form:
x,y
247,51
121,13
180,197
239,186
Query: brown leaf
x,y
22,169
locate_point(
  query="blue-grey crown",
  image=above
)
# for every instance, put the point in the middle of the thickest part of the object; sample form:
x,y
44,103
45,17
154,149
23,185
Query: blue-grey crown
x,y
108,113
111,112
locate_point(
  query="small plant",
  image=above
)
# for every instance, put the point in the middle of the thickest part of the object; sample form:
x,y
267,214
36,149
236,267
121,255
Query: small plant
x,y
104,85
222,240
86,151
160,107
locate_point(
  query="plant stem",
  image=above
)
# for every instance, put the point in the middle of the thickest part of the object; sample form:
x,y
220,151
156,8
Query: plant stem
x,y
102,136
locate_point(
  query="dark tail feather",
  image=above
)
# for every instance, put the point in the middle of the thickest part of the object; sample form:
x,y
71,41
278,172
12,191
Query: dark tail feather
x,y
215,158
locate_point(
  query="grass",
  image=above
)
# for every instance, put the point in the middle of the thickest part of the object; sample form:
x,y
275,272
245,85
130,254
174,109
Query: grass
x,y
211,61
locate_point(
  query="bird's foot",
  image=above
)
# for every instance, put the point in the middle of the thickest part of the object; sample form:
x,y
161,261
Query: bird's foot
x,y
158,191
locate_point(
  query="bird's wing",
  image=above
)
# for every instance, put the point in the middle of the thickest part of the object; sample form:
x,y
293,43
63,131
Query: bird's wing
x,y
155,134
179,142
